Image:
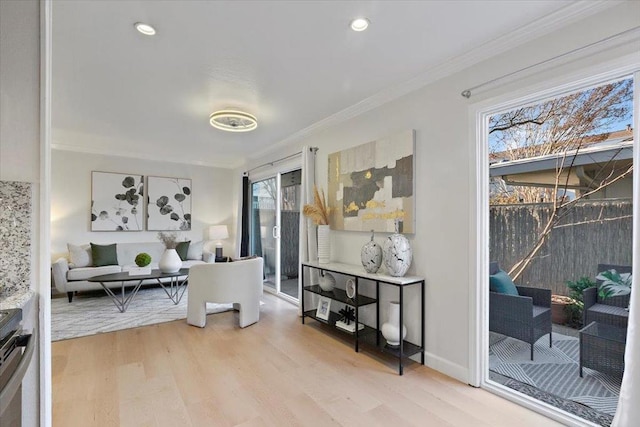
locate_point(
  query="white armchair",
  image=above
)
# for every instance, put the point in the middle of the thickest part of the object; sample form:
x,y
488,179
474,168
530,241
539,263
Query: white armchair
x,y
238,282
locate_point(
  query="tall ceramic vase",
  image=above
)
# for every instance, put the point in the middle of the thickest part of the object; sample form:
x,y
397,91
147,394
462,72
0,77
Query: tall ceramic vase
x,y
324,249
397,255
391,329
371,256
170,261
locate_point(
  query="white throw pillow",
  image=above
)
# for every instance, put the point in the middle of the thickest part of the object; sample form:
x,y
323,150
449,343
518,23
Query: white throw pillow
x,y
195,251
80,256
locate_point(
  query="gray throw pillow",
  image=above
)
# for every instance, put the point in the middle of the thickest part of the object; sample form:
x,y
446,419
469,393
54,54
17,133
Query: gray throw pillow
x,y
195,251
80,256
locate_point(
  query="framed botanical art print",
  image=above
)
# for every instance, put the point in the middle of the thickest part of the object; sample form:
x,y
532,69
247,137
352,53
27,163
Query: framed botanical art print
x,y
169,203
116,201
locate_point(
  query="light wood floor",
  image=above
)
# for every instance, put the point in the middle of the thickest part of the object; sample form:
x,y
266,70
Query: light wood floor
x,y
277,372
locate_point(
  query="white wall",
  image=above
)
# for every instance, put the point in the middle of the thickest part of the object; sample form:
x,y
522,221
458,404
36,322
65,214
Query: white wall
x,y
20,147
20,91
445,174
213,199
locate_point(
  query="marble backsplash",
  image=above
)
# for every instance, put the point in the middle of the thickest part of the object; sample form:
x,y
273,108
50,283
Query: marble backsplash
x,y
15,237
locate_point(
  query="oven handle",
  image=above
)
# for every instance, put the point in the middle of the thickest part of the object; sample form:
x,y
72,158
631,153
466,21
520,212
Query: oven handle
x,y
15,381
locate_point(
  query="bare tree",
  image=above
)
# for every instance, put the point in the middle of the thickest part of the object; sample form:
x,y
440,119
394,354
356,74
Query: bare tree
x,y
561,126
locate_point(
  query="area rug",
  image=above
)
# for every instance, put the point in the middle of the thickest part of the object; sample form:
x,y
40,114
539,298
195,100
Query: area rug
x,y
554,370
96,313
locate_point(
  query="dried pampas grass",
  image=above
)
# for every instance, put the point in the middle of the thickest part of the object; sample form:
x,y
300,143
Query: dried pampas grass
x,y
318,212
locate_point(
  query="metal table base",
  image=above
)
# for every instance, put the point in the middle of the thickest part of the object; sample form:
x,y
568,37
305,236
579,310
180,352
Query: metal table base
x,y
122,302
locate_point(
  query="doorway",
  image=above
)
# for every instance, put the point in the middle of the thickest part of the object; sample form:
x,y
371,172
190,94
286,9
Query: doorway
x,y
274,230
498,179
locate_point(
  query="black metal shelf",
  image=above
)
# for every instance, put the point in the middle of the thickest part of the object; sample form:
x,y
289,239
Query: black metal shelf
x,y
369,336
341,296
408,348
334,317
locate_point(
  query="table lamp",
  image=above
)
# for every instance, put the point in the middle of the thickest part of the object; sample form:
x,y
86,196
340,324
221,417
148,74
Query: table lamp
x,y
218,233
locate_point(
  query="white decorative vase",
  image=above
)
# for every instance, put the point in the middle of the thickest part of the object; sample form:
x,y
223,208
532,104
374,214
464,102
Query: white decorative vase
x,y
391,329
371,256
397,255
170,261
327,282
323,244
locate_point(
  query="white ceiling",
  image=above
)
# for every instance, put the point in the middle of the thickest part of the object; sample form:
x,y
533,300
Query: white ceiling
x,y
292,64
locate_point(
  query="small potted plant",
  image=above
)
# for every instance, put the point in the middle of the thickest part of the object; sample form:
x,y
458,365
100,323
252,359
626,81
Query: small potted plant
x,y
143,259
559,312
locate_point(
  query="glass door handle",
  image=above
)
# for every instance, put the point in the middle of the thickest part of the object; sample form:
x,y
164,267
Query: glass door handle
x,y
276,232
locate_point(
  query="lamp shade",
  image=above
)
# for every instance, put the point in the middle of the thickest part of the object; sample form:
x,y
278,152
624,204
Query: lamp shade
x,y
218,232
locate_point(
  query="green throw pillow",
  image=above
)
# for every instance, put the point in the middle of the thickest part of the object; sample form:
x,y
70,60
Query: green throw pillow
x,y
502,284
183,248
104,255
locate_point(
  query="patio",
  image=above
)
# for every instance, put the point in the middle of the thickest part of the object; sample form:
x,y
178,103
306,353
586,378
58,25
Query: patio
x,y
553,376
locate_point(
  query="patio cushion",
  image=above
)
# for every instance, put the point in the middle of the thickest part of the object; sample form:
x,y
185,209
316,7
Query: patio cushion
x,y
502,283
609,309
537,310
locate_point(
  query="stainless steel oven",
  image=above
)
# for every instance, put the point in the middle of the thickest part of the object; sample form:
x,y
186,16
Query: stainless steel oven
x,y
16,351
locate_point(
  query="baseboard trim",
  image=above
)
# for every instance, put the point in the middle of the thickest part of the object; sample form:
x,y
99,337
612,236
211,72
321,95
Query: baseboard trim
x,y
447,367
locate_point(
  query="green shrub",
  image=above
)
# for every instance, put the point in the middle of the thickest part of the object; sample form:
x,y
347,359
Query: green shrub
x,y
143,259
575,292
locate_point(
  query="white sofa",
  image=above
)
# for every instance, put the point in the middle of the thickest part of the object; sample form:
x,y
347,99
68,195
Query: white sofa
x,y
69,278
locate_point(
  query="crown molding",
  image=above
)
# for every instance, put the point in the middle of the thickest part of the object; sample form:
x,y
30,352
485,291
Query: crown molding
x,y
229,163
561,18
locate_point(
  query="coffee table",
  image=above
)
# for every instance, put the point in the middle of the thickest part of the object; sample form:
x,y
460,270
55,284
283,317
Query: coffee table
x,y
174,290
602,348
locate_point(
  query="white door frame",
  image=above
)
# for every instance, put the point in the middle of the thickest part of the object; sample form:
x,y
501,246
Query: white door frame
x,y
275,172
479,114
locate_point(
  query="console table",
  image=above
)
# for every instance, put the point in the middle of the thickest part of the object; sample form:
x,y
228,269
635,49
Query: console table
x,y
367,335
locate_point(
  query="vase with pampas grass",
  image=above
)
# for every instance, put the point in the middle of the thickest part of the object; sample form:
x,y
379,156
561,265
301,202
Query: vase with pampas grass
x,y
318,212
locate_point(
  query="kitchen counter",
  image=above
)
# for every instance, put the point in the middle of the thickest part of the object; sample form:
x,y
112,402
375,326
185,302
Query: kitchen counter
x,y
17,300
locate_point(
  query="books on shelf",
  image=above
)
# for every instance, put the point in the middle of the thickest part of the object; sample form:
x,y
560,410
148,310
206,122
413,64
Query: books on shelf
x,y
351,327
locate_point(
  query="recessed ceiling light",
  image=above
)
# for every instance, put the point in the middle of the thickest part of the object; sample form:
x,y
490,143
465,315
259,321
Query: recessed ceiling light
x,y
359,24
233,121
145,29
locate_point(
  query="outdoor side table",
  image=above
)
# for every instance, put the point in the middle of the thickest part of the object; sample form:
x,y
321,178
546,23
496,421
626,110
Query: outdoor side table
x,y
602,348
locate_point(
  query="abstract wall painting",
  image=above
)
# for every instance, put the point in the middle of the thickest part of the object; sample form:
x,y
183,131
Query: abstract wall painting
x,y
371,186
116,201
169,206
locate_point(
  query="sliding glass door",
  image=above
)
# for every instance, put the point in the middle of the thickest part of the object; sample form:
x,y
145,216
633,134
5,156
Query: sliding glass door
x,y
275,218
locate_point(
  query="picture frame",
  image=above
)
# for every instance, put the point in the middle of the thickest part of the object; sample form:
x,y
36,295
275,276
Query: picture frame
x,y
168,204
372,186
324,308
116,201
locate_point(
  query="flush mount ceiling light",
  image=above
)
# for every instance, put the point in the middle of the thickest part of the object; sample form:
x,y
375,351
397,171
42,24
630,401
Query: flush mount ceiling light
x,y
145,29
359,24
233,121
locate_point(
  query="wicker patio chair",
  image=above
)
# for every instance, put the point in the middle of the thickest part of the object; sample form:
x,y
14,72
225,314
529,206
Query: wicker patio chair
x,y
610,311
526,317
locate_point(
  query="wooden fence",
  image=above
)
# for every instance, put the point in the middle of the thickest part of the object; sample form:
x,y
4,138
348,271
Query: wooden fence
x,y
574,249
